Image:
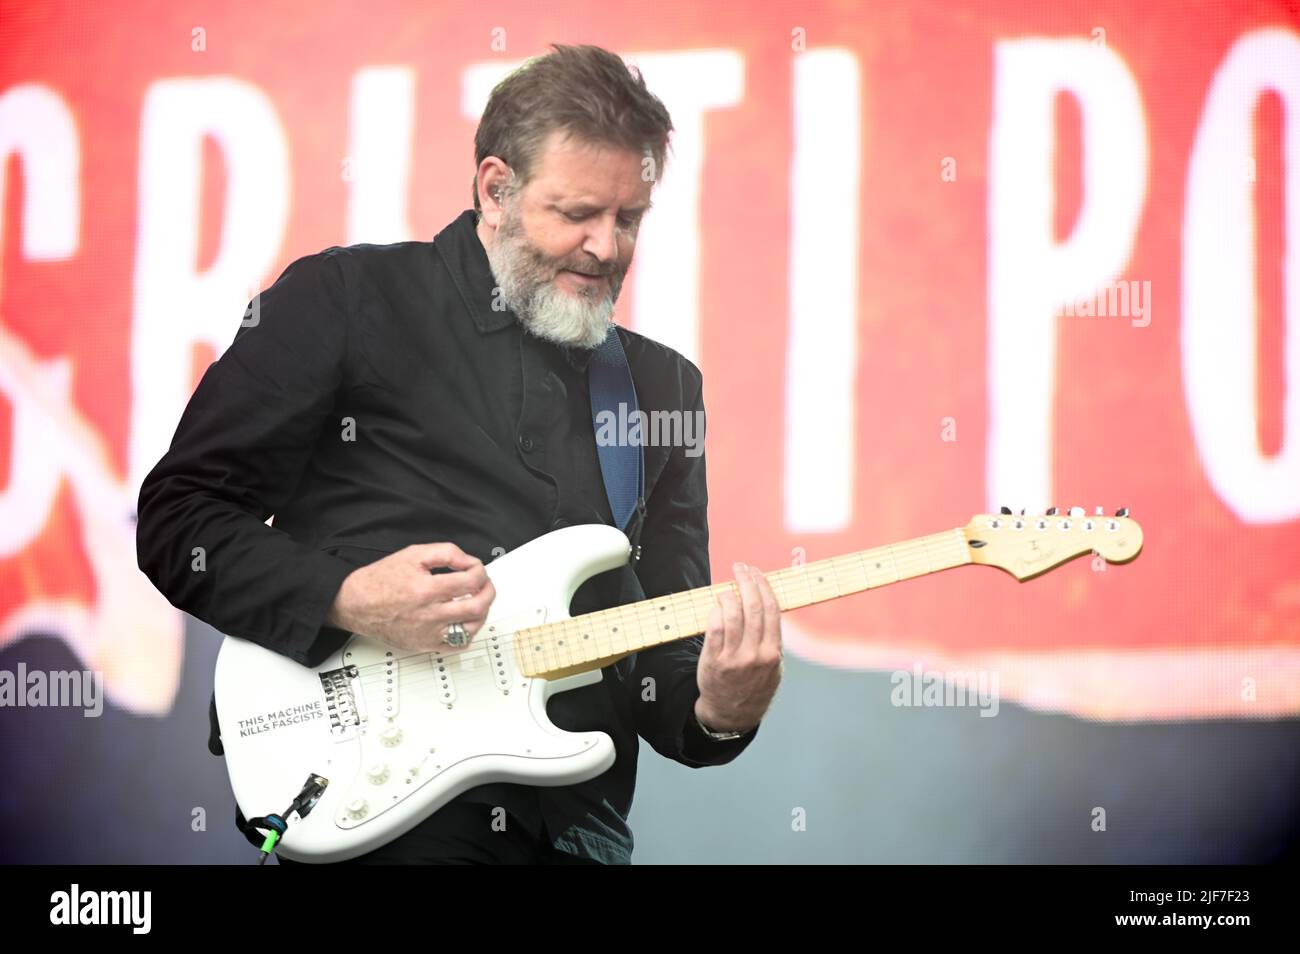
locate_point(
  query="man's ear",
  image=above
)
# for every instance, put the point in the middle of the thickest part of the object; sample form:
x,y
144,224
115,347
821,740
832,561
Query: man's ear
x,y
493,169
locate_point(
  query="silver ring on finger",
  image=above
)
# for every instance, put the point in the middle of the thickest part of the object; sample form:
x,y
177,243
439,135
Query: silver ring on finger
x,y
456,635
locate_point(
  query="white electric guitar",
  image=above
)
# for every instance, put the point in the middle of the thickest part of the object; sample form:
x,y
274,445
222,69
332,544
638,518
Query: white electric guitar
x,y
390,738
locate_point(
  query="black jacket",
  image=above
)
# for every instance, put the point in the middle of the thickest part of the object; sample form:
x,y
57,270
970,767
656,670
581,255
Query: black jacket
x,y
376,399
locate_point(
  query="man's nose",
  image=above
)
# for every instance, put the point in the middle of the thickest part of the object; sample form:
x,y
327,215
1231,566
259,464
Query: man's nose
x,y
603,238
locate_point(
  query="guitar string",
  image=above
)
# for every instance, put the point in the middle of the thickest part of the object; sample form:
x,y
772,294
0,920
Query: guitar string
x,y
377,672
908,557
906,561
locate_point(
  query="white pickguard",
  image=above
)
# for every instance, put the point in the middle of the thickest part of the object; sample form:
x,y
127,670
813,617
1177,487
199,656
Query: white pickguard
x,y
395,752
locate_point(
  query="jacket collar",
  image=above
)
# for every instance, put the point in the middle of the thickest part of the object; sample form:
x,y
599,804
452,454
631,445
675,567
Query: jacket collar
x,y
467,263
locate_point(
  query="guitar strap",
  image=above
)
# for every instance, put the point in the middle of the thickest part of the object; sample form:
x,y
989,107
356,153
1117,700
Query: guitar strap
x,y
622,462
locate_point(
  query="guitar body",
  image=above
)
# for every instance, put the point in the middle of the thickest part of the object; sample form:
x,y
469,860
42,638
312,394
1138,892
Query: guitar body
x,y
398,738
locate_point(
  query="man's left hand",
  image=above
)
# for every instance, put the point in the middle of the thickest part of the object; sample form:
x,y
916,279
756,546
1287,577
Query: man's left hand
x,y
740,664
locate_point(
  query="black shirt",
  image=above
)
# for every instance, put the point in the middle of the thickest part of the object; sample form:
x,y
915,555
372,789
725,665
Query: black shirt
x,y
376,399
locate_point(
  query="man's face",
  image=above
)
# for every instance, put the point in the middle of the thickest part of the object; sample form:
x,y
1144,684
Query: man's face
x,y
565,243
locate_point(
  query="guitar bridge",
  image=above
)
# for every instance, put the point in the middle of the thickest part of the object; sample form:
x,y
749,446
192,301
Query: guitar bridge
x,y
342,701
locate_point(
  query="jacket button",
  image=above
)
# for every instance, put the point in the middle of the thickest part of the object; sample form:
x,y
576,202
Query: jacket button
x,y
525,442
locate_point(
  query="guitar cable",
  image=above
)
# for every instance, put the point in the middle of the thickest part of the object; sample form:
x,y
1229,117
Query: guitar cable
x,y
266,831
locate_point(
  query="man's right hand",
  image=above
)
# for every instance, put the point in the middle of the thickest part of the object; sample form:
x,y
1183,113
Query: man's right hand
x,y
398,601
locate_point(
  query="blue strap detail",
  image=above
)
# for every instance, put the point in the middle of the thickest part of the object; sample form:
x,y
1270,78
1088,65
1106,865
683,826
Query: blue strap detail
x,y
622,463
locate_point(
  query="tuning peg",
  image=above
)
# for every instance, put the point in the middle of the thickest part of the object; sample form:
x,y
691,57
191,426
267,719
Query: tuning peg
x,y
1006,510
1051,512
1076,512
1122,512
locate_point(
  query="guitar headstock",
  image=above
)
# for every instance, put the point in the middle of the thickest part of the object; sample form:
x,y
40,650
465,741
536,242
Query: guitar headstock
x,y
1026,546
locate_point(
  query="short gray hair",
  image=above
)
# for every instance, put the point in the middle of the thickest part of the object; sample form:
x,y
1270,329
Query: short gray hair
x,y
587,92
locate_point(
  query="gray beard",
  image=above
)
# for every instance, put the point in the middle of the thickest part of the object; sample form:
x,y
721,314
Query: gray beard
x,y
526,282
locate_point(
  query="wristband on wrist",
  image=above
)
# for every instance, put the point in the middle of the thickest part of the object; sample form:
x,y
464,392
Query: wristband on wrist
x,y
716,736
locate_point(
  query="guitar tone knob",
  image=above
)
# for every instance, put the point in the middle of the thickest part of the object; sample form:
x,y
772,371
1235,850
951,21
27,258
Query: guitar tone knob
x,y
391,736
378,773
357,808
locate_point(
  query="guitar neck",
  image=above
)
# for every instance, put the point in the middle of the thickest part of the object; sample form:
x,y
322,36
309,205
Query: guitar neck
x,y
594,640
